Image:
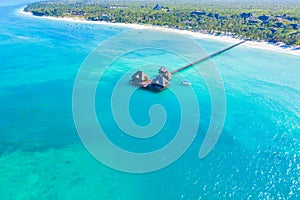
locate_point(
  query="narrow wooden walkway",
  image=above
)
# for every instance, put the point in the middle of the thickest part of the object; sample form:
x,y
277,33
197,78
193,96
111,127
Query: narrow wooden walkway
x,y
207,57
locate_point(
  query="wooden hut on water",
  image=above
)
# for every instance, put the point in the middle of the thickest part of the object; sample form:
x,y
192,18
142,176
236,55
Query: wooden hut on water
x,y
159,83
140,79
165,73
162,70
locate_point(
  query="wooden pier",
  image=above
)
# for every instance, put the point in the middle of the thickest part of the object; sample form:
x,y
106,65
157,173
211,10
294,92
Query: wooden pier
x,y
162,81
207,57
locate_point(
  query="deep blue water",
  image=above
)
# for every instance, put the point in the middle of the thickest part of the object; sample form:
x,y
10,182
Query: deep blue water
x,y
41,155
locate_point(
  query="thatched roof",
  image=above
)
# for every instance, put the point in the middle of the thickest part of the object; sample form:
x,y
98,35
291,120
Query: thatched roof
x,y
162,70
160,80
168,76
140,76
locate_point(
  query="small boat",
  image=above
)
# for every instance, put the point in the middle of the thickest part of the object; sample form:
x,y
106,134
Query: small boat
x,y
185,82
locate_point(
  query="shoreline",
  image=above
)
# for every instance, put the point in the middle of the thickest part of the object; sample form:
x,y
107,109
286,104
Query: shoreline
x,y
199,35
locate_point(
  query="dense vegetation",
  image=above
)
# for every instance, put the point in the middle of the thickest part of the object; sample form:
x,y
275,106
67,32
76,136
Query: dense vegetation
x,y
270,21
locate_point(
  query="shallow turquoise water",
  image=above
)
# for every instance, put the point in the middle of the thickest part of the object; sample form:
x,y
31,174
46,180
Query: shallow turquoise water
x,y
257,156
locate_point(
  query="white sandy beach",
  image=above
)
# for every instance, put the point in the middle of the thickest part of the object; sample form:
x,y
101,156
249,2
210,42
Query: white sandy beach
x,y
252,44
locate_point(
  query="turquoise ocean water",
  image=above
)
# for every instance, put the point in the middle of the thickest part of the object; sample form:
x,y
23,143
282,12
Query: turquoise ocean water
x,y
41,155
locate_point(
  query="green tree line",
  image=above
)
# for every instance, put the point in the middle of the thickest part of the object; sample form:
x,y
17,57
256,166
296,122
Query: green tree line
x,y
219,18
